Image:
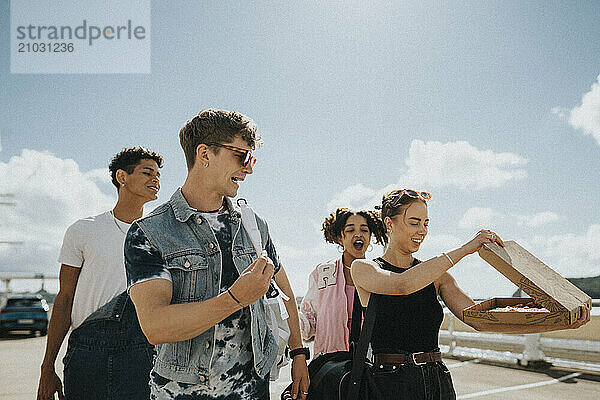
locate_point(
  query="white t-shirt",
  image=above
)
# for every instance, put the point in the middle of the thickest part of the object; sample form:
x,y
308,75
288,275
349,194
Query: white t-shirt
x,y
95,244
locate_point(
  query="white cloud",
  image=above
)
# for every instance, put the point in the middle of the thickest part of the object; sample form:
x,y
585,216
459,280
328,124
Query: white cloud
x,y
50,194
587,115
434,164
101,175
575,255
562,112
538,219
478,217
460,164
570,254
352,197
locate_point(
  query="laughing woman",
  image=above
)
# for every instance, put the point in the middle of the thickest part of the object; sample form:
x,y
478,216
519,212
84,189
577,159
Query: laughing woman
x,y
409,315
326,311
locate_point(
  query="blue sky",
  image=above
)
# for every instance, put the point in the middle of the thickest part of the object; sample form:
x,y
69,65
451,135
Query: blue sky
x,y
494,108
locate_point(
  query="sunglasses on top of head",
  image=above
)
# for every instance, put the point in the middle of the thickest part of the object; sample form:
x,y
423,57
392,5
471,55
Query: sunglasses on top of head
x,y
412,193
247,161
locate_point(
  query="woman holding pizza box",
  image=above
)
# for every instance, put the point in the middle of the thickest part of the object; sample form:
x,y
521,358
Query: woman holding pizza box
x,y
405,336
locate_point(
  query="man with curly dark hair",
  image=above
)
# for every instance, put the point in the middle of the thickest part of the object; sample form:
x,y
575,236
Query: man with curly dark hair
x,y
107,356
128,159
326,312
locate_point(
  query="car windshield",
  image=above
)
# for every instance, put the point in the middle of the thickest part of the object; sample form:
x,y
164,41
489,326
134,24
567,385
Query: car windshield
x,y
23,303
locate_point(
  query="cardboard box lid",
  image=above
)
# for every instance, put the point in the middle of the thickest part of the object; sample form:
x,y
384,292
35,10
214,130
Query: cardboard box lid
x,y
534,277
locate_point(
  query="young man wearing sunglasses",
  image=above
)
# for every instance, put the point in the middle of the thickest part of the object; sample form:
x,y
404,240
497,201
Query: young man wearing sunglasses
x,y
196,282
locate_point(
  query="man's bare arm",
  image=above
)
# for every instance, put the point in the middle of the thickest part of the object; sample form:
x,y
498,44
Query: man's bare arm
x,y
58,327
163,322
300,378
282,281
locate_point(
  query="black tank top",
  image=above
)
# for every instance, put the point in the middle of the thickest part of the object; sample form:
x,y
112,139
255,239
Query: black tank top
x,y
407,323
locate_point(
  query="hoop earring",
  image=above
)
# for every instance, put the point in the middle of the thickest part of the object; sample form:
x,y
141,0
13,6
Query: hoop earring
x,y
340,249
370,248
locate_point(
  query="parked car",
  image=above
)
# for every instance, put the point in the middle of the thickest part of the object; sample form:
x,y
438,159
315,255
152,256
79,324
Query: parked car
x,y
24,313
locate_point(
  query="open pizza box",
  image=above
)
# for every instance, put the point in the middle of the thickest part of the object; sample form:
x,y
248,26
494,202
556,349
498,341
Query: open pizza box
x,y
554,300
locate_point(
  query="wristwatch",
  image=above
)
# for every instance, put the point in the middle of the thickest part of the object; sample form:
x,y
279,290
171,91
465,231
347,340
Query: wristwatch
x,y
300,350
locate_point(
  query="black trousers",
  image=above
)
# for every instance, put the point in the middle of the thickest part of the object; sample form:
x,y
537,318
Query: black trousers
x,y
431,381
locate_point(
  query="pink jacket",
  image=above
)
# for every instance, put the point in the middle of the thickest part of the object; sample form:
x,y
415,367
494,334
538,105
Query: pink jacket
x,y
323,311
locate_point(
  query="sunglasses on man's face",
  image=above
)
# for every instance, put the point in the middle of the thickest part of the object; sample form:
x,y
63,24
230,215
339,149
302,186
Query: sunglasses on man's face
x,y
247,161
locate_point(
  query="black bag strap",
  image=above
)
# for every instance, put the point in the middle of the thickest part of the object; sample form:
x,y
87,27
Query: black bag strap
x,y
357,313
360,354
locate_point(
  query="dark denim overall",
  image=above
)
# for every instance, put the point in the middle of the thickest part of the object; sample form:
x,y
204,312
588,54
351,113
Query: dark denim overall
x,y
108,356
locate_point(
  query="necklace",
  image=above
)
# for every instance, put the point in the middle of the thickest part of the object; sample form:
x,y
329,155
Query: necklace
x,y
220,209
349,280
116,223
344,264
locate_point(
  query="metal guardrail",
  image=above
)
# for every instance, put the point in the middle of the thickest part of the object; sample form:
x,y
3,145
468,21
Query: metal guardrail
x,y
530,349
7,277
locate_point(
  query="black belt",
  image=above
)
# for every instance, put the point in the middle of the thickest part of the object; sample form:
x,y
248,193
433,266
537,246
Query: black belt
x,y
412,358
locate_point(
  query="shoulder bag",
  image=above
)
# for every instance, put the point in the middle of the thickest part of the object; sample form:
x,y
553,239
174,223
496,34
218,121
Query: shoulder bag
x,y
346,375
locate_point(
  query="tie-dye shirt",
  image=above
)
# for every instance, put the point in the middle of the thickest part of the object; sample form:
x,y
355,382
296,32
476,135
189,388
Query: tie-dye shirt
x,y
232,375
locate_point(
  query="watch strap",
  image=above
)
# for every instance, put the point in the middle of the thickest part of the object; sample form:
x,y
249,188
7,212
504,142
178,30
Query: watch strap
x,y
300,350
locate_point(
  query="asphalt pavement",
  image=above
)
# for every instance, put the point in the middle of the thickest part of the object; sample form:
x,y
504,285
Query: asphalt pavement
x,y
21,355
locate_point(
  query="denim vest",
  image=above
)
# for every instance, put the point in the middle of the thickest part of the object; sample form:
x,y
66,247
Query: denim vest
x,y
191,252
